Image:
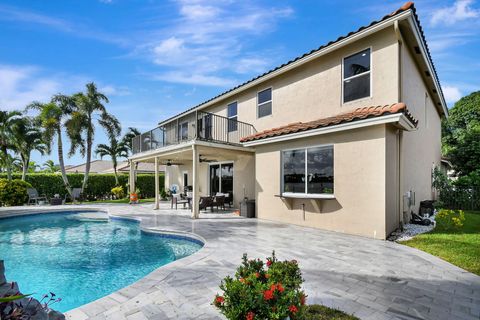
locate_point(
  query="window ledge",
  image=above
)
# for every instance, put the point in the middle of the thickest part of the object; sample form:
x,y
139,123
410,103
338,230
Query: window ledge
x,y
307,196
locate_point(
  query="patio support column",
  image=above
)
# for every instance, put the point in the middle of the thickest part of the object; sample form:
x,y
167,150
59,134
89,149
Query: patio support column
x,y
132,177
157,186
195,200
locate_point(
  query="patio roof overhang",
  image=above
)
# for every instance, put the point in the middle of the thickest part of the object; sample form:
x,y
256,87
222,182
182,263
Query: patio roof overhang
x,y
183,152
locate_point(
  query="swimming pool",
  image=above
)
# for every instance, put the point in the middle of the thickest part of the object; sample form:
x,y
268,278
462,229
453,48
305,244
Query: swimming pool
x,y
81,261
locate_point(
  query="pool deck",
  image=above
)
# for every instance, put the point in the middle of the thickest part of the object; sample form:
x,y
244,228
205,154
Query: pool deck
x,y
371,279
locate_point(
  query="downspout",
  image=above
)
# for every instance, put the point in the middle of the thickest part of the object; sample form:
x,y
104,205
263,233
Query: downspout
x,y
399,132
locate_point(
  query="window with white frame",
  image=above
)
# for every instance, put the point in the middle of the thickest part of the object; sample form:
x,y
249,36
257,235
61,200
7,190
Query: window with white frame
x,y
308,170
264,103
183,131
356,76
232,116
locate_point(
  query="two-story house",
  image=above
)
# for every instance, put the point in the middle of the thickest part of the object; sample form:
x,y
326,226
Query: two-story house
x,y
342,138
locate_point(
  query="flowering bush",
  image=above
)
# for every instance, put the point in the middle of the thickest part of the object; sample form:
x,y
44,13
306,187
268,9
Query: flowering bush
x,y
270,290
118,192
449,219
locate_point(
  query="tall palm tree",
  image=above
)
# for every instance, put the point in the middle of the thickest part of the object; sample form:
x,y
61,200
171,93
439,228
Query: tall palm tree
x,y
27,138
50,166
116,149
51,118
81,126
128,138
8,121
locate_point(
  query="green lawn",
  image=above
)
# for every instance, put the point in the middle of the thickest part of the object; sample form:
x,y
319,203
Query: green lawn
x,y
461,247
125,200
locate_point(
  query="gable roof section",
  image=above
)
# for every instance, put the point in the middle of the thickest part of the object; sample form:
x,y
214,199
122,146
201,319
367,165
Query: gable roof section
x,y
356,115
407,6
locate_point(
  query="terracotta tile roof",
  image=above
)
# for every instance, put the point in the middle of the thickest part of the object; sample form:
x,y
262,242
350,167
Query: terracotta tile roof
x,y
357,114
405,7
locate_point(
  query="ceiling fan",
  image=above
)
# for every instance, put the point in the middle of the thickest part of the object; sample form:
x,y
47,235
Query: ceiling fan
x,y
200,159
170,162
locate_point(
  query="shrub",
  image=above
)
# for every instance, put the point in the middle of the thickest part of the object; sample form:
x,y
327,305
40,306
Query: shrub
x,y
13,193
99,185
261,290
449,219
318,312
118,192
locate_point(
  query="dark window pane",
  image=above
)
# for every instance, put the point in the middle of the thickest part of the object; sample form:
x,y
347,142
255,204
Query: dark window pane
x,y
320,170
356,64
294,171
227,178
214,179
264,96
232,124
183,131
356,88
232,110
265,109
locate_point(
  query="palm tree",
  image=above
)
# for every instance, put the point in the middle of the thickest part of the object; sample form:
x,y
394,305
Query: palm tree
x,y
128,138
50,166
51,118
27,138
8,121
81,128
9,161
116,149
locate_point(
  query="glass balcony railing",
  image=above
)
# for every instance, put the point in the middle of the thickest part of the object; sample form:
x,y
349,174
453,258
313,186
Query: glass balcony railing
x,y
198,125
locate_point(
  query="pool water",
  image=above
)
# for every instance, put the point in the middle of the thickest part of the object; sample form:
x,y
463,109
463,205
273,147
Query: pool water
x,y
81,261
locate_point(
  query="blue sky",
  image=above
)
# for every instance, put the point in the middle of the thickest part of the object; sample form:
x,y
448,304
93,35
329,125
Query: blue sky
x,y
157,58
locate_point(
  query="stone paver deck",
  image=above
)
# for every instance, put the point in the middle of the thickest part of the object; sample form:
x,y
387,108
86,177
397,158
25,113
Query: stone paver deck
x,y
372,279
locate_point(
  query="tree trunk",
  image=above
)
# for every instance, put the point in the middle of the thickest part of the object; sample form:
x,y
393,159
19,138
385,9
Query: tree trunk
x,y
115,171
89,155
62,165
25,162
7,163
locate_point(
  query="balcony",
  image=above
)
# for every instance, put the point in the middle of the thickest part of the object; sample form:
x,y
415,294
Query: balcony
x,y
198,125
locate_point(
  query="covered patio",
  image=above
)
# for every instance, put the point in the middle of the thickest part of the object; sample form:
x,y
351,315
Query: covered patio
x,y
205,168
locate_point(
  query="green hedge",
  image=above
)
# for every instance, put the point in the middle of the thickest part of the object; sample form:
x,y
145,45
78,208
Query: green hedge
x,y
99,185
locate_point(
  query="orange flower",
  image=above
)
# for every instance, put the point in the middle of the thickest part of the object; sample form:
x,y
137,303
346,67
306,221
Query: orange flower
x,y
250,315
268,295
267,275
257,274
219,300
242,280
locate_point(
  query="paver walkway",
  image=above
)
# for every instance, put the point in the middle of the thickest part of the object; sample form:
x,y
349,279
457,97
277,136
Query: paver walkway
x,y
372,279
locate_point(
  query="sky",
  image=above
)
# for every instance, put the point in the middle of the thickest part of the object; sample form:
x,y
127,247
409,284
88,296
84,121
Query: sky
x,y
154,59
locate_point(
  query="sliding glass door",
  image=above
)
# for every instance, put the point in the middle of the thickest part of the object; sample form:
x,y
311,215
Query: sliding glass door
x,y
221,178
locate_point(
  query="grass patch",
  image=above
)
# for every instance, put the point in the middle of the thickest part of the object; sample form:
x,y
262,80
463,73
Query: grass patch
x,y
459,247
319,312
125,200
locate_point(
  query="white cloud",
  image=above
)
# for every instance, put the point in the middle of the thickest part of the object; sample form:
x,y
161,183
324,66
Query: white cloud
x,y
446,40
208,43
110,90
451,93
461,10
201,79
20,87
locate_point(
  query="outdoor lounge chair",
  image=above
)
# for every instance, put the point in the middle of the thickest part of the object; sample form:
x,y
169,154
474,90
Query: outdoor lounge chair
x,y
33,196
205,202
416,219
219,202
176,199
76,195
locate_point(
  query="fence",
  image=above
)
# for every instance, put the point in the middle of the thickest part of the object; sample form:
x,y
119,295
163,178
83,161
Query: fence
x,y
465,198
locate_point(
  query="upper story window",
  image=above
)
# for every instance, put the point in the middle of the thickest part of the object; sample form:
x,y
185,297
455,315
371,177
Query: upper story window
x,y
183,131
308,170
264,103
232,117
356,76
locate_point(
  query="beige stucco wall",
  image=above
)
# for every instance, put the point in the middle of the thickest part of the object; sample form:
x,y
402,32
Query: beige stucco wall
x,y
421,148
314,90
359,183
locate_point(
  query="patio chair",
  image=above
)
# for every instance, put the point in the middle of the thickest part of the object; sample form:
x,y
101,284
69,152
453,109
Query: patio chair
x,y
228,198
205,202
176,199
219,202
33,196
76,195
